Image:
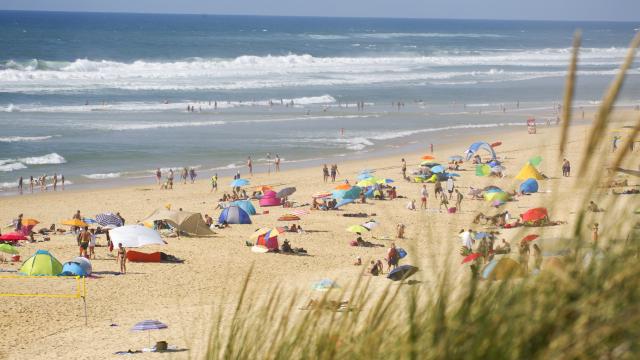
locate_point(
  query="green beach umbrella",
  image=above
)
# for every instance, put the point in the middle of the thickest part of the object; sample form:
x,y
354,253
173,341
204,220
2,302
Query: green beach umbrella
x,y
536,160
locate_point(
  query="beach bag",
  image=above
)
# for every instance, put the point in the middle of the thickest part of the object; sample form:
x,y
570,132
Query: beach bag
x,y
401,253
452,210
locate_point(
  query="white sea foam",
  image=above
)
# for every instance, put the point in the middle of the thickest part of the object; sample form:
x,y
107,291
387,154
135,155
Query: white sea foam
x,y
103,176
8,185
11,166
147,126
52,158
259,72
11,139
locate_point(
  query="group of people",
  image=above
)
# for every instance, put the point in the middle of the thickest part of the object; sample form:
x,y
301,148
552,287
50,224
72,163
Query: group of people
x,y
41,182
276,162
330,173
439,192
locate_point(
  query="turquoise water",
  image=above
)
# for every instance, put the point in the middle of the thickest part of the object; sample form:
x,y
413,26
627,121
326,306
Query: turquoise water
x,y
102,98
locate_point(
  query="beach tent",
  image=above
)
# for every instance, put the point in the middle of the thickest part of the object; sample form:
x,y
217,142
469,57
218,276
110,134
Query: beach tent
x,y
245,205
529,186
79,266
402,272
502,268
270,198
134,236
41,263
234,215
483,170
535,214
477,146
492,188
497,196
529,171
352,193
186,222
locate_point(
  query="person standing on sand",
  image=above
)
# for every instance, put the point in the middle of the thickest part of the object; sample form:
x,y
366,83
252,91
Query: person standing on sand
x,y
31,184
277,162
184,175
392,257
424,195
459,198
170,179
269,163
55,181
62,181
438,189
334,172
566,168
450,187
20,185
158,176
122,258
250,165
404,168
524,253
192,175
443,202
325,173
595,235
214,183
84,237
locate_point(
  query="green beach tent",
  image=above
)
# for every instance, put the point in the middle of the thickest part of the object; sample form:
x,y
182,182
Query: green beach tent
x,y
41,263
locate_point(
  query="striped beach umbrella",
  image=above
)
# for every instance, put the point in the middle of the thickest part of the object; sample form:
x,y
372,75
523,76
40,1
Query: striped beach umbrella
x,y
148,325
107,219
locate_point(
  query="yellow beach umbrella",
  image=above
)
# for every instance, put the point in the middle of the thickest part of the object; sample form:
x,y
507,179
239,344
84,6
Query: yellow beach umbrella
x,y
427,157
75,222
367,182
30,222
357,229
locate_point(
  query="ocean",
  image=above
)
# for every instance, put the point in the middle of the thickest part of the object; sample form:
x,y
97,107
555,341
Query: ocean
x,y
102,98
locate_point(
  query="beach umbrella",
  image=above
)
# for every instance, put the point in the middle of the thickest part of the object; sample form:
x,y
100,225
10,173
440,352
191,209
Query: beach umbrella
x,y
530,238
471,257
456,158
148,325
107,219
402,272
364,176
429,163
286,192
384,181
367,182
30,222
263,188
132,236
12,236
451,175
343,202
89,221
437,169
492,188
427,157
367,171
536,160
358,229
274,231
8,249
74,222
239,182
343,187
352,193
321,195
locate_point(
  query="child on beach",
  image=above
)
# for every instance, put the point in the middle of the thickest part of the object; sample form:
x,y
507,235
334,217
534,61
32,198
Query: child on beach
x,y
424,195
459,198
92,245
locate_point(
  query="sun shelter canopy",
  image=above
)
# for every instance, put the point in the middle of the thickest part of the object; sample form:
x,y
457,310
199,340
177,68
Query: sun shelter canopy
x,y
186,222
234,215
535,214
132,236
477,146
529,171
41,263
245,205
529,186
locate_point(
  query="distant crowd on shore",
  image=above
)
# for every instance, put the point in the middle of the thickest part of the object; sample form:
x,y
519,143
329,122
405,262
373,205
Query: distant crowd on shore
x,y
42,182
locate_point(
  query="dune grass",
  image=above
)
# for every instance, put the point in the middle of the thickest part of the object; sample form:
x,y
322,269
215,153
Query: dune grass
x,y
588,310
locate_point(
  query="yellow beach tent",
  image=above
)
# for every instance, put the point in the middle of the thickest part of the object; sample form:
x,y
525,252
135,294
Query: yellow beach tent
x,y
529,172
41,263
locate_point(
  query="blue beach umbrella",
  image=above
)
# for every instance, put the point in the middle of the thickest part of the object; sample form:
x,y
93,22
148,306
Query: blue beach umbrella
x,y
450,175
239,182
343,202
148,325
456,158
89,221
437,169
364,176
109,219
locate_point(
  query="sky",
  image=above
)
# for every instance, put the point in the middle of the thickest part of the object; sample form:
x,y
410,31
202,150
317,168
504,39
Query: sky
x,y
580,10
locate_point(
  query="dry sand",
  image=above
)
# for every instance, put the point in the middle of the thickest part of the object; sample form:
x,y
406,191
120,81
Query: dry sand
x,y
184,295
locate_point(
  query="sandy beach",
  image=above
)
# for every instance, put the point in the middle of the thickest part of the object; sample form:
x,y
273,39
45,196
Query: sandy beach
x,y
185,295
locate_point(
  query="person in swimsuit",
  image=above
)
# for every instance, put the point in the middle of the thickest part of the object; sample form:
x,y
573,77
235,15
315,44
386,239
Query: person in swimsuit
x,y
85,238
325,173
249,165
158,175
122,258
214,183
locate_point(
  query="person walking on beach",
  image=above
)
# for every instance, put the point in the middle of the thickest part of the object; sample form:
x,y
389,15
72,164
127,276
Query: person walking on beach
x,y
566,168
392,257
404,168
450,187
459,198
192,175
158,176
277,162
31,184
443,202
20,185
325,173
250,165
62,181
184,175
269,163
121,258
424,195
214,183
55,181
438,189
170,178
84,237
334,172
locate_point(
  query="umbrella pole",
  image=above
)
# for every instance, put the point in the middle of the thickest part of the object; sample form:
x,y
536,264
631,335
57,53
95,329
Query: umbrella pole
x,y
149,332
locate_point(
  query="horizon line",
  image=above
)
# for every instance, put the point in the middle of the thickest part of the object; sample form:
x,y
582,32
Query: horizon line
x,y
310,16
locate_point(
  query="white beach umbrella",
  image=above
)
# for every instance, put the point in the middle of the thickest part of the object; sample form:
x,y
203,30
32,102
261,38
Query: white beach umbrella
x,y
131,236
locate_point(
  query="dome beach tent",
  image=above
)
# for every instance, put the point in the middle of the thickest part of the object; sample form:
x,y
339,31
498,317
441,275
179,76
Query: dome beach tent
x,y
245,205
502,268
132,236
529,171
477,146
41,263
270,198
189,223
529,186
79,266
234,215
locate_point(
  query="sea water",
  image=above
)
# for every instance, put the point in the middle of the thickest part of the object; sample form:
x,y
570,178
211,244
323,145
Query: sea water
x,y
102,98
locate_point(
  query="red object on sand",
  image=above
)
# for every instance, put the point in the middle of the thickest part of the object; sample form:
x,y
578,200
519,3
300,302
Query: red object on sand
x,y
530,237
535,214
137,256
471,257
12,237
496,144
